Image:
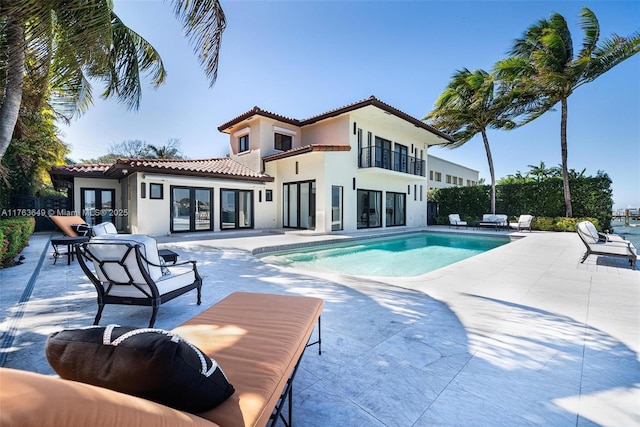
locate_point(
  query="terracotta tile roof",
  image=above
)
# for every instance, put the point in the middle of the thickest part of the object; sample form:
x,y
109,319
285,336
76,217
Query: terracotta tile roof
x,y
306,149
211,168
372,100
260,112
81,169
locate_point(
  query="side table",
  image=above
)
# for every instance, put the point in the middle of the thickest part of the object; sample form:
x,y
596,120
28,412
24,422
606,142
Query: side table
x,y
167,255
68,242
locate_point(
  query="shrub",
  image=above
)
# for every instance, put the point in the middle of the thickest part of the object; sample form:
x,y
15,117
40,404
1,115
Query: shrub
x,y
14,236
591,198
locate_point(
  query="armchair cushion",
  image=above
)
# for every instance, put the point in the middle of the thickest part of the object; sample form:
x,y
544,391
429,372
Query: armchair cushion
x,y
104,228
148,248
151,363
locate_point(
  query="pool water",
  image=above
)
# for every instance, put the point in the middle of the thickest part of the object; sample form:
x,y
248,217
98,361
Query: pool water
x,y
400,256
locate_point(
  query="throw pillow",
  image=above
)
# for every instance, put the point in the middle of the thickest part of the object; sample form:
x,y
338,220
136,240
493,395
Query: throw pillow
x,y
151,363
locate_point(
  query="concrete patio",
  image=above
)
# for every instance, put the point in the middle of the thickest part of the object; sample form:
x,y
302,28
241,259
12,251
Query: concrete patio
x,y
517,336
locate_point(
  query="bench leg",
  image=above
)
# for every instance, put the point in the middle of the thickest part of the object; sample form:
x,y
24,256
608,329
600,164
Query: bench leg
x,y
319,341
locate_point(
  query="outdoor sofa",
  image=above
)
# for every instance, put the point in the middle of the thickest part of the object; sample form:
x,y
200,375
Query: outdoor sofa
x,y
256,339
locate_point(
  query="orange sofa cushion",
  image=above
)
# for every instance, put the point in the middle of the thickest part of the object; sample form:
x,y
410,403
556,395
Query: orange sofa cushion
x,y
257,339
35,400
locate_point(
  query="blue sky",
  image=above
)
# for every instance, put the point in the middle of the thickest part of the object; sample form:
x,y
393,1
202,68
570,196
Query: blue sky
x,y
303,58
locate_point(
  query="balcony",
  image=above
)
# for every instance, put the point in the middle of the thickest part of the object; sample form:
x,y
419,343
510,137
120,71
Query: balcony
x,y
378,157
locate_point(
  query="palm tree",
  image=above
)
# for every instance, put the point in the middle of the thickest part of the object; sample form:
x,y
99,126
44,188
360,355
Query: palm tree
x,y
469,106
543,70
171,150
68,42
541,172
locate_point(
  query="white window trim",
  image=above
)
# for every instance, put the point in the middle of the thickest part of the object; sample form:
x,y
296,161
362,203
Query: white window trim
x,y
241,132
279,129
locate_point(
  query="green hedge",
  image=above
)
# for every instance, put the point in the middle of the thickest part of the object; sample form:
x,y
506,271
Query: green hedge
x,y
14,236
591,198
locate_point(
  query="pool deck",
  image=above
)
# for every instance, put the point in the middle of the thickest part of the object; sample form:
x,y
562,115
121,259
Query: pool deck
x,y
521,335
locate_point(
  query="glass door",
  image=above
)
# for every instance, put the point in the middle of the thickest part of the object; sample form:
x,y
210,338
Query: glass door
x,y
191,209
299,205
97,205
236,209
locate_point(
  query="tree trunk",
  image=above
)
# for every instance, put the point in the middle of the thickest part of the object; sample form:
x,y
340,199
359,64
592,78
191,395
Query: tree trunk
x,y
565,168
12,96
491,172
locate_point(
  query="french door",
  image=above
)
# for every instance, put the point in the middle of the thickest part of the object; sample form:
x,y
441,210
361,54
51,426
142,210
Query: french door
x,y
97,205
236,209
191,209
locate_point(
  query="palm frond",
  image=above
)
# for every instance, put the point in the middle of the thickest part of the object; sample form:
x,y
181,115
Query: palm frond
x,y
609,53
589,24
130,56
203,22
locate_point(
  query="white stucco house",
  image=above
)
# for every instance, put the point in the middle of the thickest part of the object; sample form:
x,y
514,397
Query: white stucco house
x,y
363,165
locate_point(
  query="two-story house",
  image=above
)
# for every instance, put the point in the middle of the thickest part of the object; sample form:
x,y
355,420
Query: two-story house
x,y
363,165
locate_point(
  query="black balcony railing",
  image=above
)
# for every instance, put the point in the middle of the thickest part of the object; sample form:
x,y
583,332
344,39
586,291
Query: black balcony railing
x,y
378,157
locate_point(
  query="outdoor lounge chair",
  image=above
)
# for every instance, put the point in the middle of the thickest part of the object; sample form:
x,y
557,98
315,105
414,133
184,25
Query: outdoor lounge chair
x,y
126,269
524,223
71,226
75,226
454,219
591,239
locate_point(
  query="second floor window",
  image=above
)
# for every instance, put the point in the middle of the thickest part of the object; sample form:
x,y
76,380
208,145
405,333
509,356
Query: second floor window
x,y
243,143
282,142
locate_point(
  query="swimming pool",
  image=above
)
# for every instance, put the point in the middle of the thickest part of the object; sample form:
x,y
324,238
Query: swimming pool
x,y
400,256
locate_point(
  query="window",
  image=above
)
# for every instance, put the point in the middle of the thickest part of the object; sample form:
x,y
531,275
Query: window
x,y
448,179
143,190
156,191
395,209
268,195
243,143
431,175
336,208
438,176
282,142
460,181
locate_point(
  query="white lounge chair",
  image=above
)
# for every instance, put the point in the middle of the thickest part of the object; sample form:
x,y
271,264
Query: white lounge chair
x,y
126,269
591,239
454,219
524,223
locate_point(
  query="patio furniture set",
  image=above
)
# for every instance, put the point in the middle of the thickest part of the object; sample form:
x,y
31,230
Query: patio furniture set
x,y
242,353
495,221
